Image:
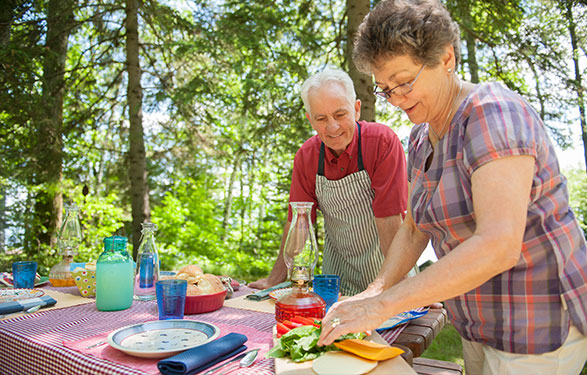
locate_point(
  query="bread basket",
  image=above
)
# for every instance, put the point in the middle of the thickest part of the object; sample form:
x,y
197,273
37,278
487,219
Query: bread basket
x,y
204,303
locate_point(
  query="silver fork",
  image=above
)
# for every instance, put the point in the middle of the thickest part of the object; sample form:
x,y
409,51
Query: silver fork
x,y
99,343
27,311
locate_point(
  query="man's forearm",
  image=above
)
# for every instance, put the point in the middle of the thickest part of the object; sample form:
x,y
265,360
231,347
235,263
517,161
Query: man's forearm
x,y
279,271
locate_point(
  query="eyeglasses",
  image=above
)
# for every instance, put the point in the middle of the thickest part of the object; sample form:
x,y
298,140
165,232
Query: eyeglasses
x,y
399,90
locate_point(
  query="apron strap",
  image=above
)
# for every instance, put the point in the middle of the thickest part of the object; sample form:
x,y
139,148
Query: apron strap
x,y
360,161
322,151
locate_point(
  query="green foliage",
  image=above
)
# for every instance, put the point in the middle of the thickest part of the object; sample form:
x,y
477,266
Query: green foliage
x,y
577,185
222,115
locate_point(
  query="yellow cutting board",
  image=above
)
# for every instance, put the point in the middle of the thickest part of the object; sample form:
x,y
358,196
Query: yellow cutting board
x,y
394,366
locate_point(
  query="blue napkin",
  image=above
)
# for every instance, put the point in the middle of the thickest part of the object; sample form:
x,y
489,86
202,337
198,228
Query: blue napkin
x,y
401,318
264,294
16,306
204,356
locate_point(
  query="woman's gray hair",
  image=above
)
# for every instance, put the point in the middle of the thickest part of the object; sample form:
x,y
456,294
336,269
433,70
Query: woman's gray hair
x,y
328,75
420,29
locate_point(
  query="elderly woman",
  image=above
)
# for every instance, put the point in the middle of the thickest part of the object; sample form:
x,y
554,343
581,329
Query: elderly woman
x,y
486,189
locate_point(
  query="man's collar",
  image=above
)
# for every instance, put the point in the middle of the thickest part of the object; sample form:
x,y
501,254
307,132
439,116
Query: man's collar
x,y
351,149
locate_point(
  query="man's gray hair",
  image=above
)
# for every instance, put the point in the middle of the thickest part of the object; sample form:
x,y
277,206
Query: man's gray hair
x,y
328,75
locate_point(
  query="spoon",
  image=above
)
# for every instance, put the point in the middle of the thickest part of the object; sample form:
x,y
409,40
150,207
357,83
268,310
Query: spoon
x,y
248,360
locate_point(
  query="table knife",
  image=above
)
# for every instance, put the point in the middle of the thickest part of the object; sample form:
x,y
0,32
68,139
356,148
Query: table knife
x,y
237,358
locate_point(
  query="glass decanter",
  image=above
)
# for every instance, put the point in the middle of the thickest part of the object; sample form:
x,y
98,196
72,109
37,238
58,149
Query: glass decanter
x,y
114,276
70,237
300,253
147,268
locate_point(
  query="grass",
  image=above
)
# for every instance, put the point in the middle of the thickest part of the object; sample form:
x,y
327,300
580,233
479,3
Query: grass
x,y
447,347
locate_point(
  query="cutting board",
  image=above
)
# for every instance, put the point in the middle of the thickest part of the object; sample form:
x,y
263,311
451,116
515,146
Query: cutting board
x,y
394,366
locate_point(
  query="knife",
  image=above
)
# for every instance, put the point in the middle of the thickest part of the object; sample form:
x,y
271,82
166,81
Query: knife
x,y
237,358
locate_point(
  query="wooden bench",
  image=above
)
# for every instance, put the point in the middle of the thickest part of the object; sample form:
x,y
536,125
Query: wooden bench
x,y
419,333
425,366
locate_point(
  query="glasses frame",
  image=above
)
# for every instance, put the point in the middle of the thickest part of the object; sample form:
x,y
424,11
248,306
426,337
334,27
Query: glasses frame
x,y
386,94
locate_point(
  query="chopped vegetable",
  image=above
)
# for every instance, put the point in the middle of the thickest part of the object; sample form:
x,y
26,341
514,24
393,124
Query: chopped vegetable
x,y
281,329
368,350
301,344
291,325
303,320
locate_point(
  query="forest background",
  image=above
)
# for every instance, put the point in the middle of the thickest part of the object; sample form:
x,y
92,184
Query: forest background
x,y
188,114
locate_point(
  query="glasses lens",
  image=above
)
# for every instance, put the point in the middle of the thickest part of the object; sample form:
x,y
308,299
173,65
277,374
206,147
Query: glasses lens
x,y
402,90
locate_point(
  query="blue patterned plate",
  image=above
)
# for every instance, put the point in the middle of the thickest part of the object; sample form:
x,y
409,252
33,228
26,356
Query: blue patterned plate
x,y
162,338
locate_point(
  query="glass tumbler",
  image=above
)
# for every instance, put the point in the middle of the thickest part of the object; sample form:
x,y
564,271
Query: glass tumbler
x,y
171,298
23,274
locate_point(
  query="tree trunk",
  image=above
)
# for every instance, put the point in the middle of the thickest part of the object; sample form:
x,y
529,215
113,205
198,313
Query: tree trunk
x,y
356,11
228,199
48,149
137,160
6,17
578,79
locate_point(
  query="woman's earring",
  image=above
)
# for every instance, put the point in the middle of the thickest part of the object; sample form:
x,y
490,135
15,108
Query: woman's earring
x,y
450,70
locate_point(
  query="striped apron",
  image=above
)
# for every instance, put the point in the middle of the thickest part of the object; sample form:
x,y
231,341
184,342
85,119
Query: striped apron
x,y
351,243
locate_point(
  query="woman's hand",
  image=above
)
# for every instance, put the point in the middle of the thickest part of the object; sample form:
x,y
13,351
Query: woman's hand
x,y
352,316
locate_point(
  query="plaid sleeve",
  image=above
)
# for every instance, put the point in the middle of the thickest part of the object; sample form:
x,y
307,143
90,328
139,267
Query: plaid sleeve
x,y
499,125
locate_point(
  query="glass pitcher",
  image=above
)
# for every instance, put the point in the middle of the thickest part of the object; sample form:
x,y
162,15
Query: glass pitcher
x,y
114,276
147,268
68,242
300,253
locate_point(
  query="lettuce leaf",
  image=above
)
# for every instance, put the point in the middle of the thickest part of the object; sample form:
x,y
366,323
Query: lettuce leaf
x,y
301,344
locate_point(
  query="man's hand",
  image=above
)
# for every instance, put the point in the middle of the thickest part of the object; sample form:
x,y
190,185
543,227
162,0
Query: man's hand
x,y
260,284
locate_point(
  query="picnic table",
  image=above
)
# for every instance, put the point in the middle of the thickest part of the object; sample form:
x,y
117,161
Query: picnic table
x,y
55,340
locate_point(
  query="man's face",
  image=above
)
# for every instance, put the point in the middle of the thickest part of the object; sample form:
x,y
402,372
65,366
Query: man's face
x,y
332,116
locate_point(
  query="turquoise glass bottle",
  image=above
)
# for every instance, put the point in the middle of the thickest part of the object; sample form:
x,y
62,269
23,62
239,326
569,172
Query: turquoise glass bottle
x,y
114,276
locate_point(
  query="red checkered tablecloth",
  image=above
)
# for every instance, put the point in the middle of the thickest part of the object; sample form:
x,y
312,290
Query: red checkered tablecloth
x,y
34,344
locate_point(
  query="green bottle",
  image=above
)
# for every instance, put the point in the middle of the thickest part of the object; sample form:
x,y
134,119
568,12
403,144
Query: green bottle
x,y
114,276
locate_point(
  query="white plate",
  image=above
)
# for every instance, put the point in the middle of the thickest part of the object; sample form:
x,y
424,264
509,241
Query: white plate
x,y
162,338
11,295
277,293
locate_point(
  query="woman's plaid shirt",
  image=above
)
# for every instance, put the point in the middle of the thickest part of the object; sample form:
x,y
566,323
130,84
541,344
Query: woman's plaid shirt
x,y
528,308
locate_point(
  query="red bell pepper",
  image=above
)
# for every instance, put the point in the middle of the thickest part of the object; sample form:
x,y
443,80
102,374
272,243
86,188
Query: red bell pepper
x,y
316,322
303,320
290,324
281,329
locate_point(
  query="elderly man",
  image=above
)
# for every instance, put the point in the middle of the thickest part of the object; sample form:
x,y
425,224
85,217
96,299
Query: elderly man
x,y
355,173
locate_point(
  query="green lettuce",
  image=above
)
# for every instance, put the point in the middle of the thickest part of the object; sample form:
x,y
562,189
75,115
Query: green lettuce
x,y
301,344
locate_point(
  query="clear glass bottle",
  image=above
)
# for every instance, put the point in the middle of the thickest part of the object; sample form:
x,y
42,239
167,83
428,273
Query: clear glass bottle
x,y
70,237
147,268
301,255
114,276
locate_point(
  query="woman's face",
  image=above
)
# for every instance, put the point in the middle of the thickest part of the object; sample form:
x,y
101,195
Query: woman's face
x,y
332,115
429,99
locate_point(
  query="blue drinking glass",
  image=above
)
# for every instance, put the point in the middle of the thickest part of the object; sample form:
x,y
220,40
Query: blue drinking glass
x,y
327,287
171,298
23,274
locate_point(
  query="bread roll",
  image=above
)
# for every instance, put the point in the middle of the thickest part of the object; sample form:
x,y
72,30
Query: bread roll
x,y
192,274
208,284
